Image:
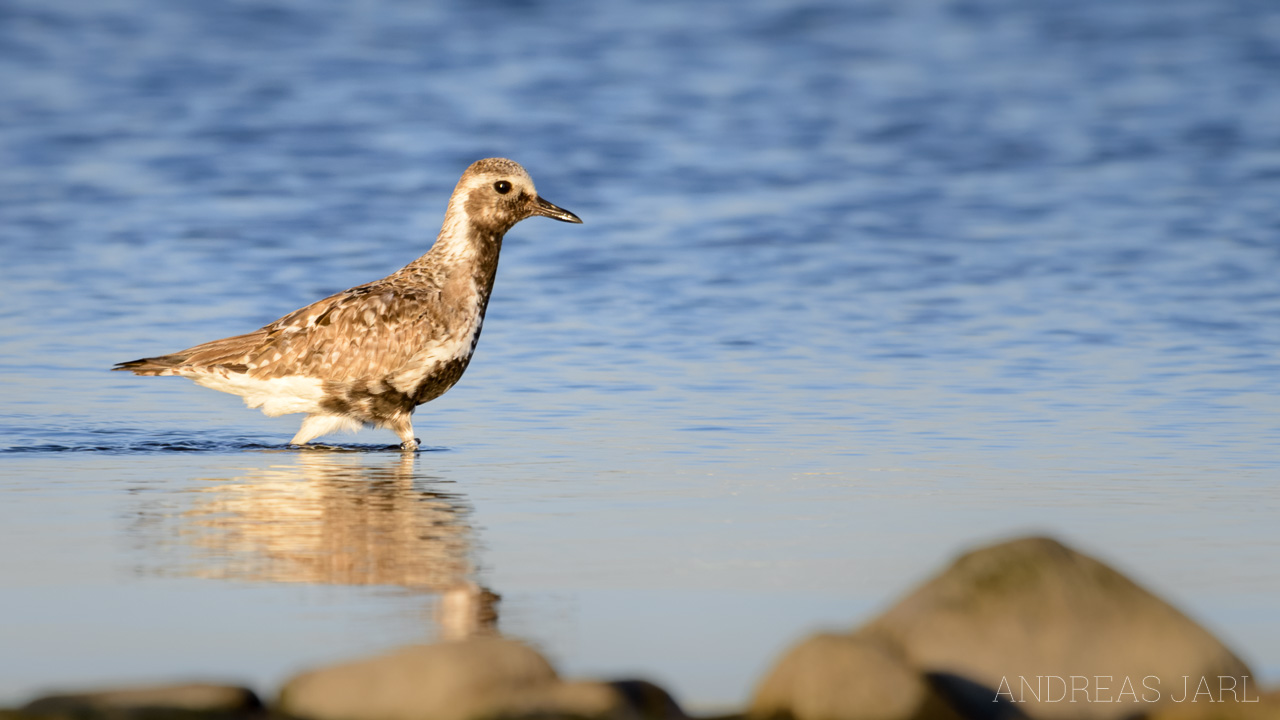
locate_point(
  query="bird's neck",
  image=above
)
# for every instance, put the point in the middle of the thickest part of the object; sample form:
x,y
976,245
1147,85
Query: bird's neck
x,y
464,254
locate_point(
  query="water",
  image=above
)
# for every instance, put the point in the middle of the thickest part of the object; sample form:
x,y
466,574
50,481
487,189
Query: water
x,y
860,285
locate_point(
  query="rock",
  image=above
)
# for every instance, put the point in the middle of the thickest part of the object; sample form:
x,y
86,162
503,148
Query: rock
x,y
482,677
188,699
621,700
1031,619
647,700
449,680
841,677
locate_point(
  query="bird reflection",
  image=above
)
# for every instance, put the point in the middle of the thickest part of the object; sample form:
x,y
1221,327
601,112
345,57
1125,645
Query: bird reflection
x,y
340,519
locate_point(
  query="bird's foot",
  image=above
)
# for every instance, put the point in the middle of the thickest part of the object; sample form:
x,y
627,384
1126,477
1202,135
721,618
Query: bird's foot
x,y
410,445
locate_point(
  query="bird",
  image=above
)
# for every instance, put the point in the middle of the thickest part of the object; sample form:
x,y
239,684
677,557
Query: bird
x,y
369,356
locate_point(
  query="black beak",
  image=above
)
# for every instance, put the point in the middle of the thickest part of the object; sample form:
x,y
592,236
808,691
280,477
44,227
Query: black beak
x,y
546,209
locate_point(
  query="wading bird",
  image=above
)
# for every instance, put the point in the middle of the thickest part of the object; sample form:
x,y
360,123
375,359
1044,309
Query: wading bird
x,y
372,354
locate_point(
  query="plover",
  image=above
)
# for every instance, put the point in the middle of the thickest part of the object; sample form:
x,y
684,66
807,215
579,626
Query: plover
x,y
372,354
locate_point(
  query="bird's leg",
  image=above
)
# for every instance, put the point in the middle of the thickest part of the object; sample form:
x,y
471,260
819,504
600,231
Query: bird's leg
x,y
316,425
403,427
312,427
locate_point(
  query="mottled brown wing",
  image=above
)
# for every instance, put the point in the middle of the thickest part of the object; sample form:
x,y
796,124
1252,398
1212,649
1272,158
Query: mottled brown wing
x,y
364,332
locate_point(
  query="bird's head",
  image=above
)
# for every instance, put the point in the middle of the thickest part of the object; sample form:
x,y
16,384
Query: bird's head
x,y
496,193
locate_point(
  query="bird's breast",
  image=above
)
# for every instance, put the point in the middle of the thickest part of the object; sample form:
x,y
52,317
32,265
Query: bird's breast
x,y
443,357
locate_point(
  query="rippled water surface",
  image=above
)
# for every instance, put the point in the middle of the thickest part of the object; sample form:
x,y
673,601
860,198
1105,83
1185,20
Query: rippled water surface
x,y
860,284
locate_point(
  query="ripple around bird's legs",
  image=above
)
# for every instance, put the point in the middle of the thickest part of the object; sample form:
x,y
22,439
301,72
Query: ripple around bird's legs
x,y
154,447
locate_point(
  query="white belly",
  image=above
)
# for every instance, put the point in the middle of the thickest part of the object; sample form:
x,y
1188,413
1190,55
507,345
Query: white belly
x,y
276,396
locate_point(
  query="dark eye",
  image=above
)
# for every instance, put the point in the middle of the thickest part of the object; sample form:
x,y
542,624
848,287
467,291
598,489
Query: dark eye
x,y
502,186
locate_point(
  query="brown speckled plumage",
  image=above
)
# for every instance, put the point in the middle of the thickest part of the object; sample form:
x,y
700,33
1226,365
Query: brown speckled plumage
x,y
371,354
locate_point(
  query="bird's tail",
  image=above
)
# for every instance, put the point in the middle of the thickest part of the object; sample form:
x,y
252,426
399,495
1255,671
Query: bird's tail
x,y
226,353
163,365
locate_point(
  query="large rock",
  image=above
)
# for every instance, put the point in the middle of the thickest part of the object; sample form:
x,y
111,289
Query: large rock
x,y
483,677
839,677
1056,632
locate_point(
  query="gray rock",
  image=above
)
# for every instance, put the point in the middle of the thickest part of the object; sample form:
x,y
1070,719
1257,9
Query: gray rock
x,y
1021,618
482,677
840,677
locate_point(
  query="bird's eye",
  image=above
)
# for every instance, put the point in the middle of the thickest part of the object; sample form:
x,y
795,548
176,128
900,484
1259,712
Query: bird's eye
x,y
502,186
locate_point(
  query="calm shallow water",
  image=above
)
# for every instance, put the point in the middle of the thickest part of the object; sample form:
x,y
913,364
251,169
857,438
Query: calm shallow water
x,y
860,285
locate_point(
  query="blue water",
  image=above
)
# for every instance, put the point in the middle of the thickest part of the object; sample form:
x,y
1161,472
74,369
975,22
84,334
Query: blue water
x,y
860,284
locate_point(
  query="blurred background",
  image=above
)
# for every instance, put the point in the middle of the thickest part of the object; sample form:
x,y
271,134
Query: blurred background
x,y
860,284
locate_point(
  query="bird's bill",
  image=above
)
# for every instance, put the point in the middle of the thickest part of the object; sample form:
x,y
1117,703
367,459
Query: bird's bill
x,y
546,209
